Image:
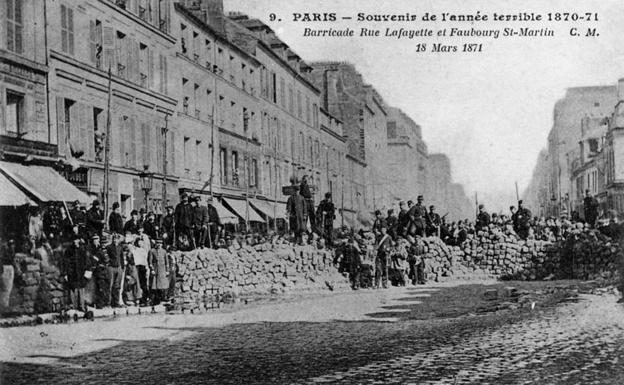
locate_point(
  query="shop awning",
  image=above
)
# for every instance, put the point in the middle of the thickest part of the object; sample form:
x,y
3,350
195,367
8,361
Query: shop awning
x,y
238,206
269,208
44,183
11,195
225,215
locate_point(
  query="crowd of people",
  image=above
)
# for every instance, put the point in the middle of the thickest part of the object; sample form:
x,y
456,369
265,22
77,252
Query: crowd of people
x,y
118,262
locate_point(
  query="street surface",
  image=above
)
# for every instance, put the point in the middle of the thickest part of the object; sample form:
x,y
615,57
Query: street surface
x,y
398,336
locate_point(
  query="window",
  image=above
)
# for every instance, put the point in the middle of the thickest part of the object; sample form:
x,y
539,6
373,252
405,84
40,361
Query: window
x,y
197,157
14,112
208,47
223,164
308,115
299,107
315,115
99,135
67,30
183,40
235,170
273,87
196,46
163,73
291,101
14,26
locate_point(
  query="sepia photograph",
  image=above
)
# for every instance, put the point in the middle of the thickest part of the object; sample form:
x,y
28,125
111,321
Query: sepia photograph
x,y
311,191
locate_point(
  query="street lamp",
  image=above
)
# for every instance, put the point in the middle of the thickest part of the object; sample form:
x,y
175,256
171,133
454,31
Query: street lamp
x,y
147,182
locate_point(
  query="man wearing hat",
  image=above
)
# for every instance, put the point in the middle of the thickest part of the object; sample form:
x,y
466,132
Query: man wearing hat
x,y
327,214
306,193
132,225
483,219
168,226
115,221
433,222
417,215
95,219
159,269
590,208
78,269
296,208
115,268
402,220
102,273
214,224
521,219
200,222
184,218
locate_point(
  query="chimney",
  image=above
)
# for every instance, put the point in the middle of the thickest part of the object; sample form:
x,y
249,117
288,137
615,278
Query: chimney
x,y
620,89
209,11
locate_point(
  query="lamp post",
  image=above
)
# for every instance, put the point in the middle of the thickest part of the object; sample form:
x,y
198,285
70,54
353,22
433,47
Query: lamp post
x,y
147,182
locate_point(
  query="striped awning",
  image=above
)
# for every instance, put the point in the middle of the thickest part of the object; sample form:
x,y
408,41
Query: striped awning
x,y
45,184
225,215
240,207
11,195
268,208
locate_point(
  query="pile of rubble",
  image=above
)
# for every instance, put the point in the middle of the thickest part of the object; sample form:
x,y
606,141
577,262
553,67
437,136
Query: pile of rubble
x,y
246,271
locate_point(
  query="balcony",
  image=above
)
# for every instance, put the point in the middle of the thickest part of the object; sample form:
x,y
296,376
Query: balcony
x,y
9,143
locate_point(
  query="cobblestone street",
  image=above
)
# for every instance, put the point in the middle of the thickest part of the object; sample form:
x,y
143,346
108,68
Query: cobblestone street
x,y
403,335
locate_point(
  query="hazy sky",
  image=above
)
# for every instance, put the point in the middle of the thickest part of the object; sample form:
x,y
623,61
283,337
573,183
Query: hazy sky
x,y
490,112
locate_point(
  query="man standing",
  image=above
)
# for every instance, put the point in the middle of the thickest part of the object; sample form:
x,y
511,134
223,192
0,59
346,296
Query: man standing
x,y
402,220
433,222
168,227
132,226
483,219
214,224
296,208
95,219
306,193
115,221
521,221
416,261
379,225
102,275
184,218
159,269
381,260
150,226
115,269
352,253
326,212
417,214
200,216
77,272
590,206
392,223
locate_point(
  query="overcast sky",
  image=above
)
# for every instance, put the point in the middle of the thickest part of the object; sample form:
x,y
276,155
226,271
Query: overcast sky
x,y
489,112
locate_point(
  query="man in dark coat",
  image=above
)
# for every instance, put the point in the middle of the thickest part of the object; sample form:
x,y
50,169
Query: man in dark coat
x,y
115,268
327,213
379,226
483,219
200,222
77,264
417,215
168,227
132,225
184,218
433,222
521,219
392,223
150,226
214,224
296,208
384,244
402,220
115,221
95,219
590,206
306,193
102,274
416,261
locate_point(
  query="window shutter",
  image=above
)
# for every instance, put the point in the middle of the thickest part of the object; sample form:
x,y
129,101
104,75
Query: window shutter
x,y
82,129
150,68
108,43
172,146
92,42
121,139
90,133
145,143
133,155
60,125
70,30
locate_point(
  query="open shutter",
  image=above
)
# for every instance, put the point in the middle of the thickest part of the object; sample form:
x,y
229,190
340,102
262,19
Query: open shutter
x,y
89,132
108,43
81,129
60,125
150,68
121,139
132,153
92,42
172,163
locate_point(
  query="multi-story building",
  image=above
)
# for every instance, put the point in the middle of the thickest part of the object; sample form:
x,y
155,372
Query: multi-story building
x,y
407,156
577,104
364,116
614,156
133,42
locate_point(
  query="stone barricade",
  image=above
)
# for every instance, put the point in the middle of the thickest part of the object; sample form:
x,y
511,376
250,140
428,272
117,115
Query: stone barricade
x,y
252,271
37,287
494,254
